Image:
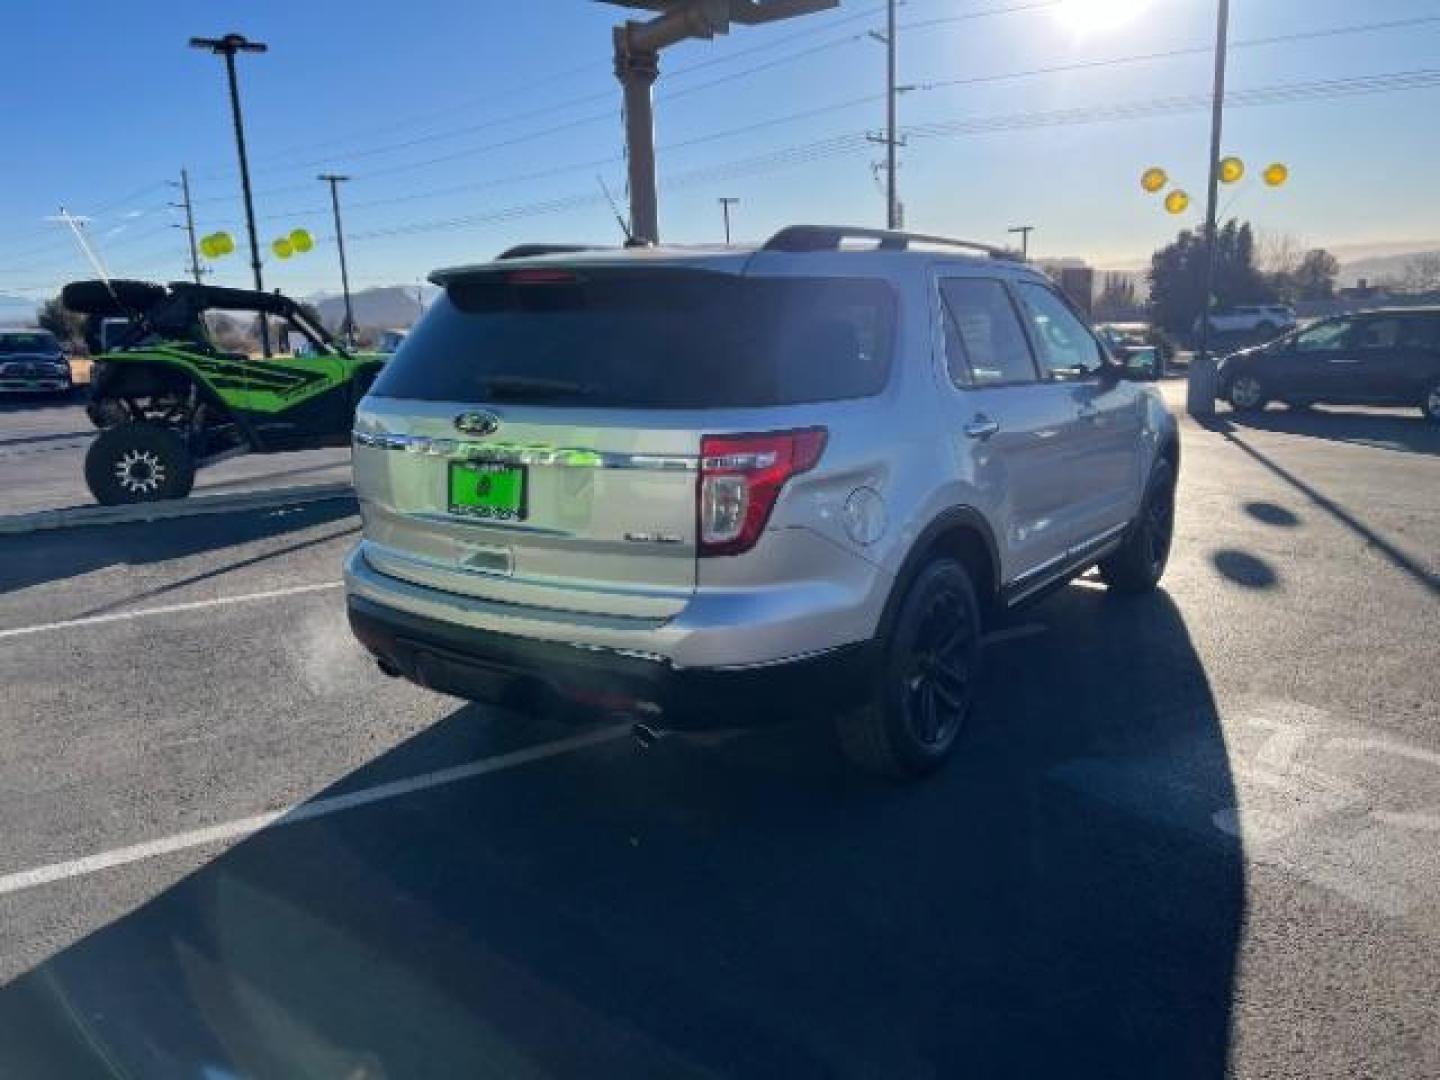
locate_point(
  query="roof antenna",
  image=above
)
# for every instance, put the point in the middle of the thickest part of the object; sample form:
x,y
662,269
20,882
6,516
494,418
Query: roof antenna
x,y
615,209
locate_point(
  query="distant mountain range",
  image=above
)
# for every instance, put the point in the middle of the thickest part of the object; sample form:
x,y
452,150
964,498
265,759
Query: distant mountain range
x,y
388,306
1378,268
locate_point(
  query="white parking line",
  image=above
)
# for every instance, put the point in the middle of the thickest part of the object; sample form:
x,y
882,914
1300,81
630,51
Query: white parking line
x,y
308,811
168,609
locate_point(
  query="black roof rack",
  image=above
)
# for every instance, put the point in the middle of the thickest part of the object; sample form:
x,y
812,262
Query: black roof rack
x,y
830,237
526,251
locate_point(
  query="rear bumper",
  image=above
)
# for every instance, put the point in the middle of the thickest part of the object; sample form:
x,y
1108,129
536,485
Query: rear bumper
x,y
485,665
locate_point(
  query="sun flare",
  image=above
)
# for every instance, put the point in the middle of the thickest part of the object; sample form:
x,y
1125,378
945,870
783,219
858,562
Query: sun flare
x,y
1088,16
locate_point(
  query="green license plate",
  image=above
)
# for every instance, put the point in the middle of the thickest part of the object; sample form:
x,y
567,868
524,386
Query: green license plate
x,y
487,490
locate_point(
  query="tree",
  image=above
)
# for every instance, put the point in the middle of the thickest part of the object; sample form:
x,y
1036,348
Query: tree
x,y
1177,276
1278,253
1314,278
68,326
1117,297
1422,273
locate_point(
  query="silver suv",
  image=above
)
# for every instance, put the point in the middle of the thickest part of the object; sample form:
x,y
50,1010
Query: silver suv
x,y
722,487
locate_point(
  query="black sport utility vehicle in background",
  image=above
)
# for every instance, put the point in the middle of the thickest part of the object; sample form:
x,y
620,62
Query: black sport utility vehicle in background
x,y
1384,357
32,362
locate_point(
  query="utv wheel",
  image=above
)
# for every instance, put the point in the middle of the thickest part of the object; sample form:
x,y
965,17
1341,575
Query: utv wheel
x,y
1246,393
1139,563
137,463
1430,403
926,681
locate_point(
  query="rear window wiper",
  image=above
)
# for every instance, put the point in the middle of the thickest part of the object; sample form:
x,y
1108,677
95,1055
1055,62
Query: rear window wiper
x,y
502,386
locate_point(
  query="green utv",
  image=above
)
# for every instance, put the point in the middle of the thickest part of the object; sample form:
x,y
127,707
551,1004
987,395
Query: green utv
x,y
168,399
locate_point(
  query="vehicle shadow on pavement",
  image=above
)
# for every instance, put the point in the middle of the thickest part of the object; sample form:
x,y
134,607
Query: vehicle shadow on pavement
x,y
24,404
28,559
1057,902
1407,432
1398,558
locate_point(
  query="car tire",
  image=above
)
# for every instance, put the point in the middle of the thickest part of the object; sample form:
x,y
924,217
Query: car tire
x,y
1430,402
138,463
1246,393
1139,563
930,661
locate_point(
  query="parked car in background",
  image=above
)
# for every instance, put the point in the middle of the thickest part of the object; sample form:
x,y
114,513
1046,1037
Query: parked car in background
x,y
1131,344
389,341
32,362
1263,319
1384,357
728,487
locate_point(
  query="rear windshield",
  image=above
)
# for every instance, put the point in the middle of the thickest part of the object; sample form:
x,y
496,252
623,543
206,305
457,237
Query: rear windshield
x,y
646,339
28,342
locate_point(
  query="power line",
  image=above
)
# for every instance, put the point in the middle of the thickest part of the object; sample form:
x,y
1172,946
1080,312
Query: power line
x,y
1267,95
1170,54
608,115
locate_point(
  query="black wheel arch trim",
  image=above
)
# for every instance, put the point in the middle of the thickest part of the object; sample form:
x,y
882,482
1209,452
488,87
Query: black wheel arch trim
x,y
948,520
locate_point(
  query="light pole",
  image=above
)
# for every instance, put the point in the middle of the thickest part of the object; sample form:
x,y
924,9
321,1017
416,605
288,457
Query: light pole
x,y
1024,231
725,203
335,180
1217,116
637,65
227,47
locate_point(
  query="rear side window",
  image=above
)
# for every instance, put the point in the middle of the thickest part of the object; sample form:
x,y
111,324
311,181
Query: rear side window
x,y
677,339
1423,332
984,345
1376,334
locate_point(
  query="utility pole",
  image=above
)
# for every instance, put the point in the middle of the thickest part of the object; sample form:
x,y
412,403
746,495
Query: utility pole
x,y
725,203
335,181
1024,231
894,217
189,209
892,202
1217,117
637,66
227,47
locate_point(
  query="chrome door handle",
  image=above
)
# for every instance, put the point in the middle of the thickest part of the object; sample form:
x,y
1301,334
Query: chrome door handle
x,y
982,427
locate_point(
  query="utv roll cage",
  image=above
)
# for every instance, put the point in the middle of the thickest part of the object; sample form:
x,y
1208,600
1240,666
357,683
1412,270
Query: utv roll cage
x,y
174,310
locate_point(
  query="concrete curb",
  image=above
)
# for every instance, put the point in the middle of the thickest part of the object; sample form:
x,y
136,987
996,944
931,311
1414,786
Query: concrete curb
x,y
199,506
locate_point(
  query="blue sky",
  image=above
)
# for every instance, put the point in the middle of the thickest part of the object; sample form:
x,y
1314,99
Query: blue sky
x,y
449,111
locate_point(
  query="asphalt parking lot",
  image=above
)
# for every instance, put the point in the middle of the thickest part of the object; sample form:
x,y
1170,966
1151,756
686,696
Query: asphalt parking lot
x,y
42,459
1188,833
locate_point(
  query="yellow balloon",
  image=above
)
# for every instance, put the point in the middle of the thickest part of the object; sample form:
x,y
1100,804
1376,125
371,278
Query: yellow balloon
x,y
282,248
207,247
1177,201
224,243
301,240
1153,179
1231,170
1276,174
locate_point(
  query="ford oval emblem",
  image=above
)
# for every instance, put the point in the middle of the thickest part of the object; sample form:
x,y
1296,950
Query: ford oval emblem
x,y
478,423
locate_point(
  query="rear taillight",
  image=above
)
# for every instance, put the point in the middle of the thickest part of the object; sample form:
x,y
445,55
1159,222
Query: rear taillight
x,y
740,479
